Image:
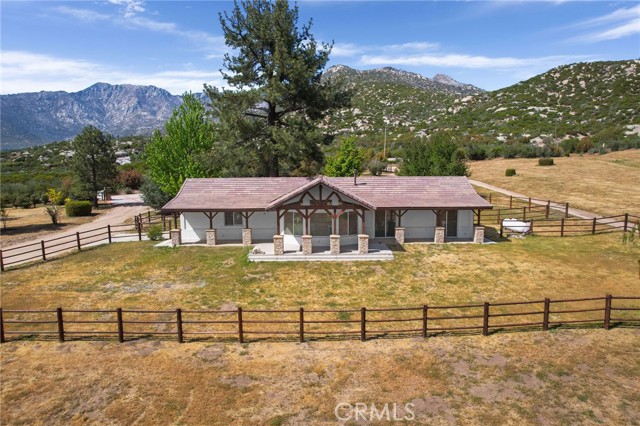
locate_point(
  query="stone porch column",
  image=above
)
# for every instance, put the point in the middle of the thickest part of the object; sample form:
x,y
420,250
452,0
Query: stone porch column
x,y
176,237
363,243
334,244
478,234
307,245
212,238
400,235
439,236
246,236
278,245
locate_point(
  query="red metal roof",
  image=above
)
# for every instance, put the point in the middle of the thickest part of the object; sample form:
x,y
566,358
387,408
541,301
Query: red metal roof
x,y
385,192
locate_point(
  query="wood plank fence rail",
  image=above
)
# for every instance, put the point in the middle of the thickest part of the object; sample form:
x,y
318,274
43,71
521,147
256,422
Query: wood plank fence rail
x,y
502,200
319,324
575,226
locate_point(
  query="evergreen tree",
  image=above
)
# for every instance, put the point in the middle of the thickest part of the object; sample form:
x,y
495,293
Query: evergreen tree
x,y
269,118
437,156
348,159
94,162
177,155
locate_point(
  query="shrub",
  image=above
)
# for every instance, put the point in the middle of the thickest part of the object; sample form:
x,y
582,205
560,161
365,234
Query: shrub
x,y
155,233
128,190
510,172
377,167
545,161
130,178
78,208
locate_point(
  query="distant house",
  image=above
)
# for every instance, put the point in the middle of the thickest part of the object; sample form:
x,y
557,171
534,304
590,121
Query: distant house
x,y
325,211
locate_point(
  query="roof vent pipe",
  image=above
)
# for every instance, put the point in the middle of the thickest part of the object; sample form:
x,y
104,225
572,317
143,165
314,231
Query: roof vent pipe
x,y
355,177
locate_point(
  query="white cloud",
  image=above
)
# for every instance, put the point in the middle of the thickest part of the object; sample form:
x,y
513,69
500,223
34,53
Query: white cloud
x,y
31,72
131,7
84,15
352,49
615,25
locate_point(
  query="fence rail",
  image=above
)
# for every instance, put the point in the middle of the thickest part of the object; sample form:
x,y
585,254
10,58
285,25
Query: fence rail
x,y
576,226
318,324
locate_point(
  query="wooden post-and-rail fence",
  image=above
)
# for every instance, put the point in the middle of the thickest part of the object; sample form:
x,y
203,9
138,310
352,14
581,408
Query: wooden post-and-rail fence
x,y
316,324
576,226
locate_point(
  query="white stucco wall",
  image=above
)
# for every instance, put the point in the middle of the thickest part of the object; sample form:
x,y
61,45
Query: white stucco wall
x,y
194,226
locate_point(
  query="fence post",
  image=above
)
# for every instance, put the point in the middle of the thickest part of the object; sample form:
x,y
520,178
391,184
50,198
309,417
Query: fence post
x,y
547,210
529,203
498,216
179,325
593,227
44,256
240,332
545,315
531,227
120,325
1,262
149,216
60,325
485,320
501,230
301,325
109,232
562,227
626,220
510,201
566,210
78,241
363,322
424,321
490,199
607,312
1,327
524,213
139,230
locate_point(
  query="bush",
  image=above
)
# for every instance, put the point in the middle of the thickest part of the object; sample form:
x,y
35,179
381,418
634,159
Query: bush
x,y
545,161
130,178
510,172
155,233
78,208
377,167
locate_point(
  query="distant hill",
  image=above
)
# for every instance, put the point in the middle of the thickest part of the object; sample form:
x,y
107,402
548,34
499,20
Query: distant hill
x,y
29,119
570,100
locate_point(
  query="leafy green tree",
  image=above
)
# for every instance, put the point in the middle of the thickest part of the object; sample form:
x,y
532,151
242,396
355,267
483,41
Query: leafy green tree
x,y
348,159
94,162
175,156
269,116
437,156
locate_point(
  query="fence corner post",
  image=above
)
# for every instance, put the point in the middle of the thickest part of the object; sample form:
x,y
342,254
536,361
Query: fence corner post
x,y
120,325
240,331
607,312
545,315
179,325
363,324
60,325
485,320
301,325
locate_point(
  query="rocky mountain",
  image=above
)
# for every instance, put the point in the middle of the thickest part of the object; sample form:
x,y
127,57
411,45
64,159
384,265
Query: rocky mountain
x,y
439,83
29,119
570,100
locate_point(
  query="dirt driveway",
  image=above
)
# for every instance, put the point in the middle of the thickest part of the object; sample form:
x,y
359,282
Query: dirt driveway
x,y
125,207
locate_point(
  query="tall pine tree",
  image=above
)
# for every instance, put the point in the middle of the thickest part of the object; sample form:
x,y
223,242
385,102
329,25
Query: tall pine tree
x,y
94,162
269,117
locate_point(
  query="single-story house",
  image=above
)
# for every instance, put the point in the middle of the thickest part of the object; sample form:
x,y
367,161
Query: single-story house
x,y
302,212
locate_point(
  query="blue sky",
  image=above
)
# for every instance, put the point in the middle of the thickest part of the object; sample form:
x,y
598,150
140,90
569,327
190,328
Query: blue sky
x,y
53,45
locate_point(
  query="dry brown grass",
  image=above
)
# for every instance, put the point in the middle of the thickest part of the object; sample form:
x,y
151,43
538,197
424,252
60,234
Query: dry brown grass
x,y
605,184
554,378
26,224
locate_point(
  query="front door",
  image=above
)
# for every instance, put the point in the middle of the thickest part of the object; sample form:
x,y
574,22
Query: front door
x,y
452,223
385,225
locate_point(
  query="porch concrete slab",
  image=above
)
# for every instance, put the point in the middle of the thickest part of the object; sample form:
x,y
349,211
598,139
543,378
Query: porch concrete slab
x,y
263,252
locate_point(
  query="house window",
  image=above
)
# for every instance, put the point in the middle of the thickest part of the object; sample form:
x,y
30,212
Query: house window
x,y
348,223
321,224
232,219
292,223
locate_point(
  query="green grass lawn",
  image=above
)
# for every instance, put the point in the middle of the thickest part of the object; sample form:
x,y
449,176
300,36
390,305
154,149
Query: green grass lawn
x,y
138,275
